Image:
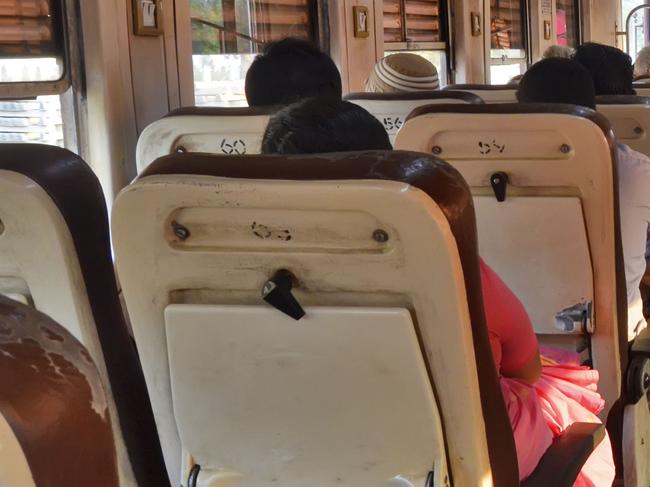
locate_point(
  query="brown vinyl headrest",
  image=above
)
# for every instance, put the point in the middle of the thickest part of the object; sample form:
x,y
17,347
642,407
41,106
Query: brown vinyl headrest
x,y
516,108
417,95
622,100
477,87
222,111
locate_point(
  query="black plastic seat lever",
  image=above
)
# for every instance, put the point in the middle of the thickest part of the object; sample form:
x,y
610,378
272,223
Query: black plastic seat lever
x,y
277,292
499,182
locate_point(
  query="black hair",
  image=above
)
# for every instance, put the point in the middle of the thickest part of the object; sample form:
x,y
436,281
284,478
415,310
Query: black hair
x,y
557,80
289,70
610,68
325,124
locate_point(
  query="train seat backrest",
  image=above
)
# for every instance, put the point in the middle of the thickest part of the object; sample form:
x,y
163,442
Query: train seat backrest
x,y
66,441
55,255
554,237
391,109
629,116
642,87
378,379
215,130
489,93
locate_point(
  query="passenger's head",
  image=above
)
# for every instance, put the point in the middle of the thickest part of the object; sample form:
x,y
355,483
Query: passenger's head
x,y
610,68
318,125
290,70
558,51
642,63
557,80
403,72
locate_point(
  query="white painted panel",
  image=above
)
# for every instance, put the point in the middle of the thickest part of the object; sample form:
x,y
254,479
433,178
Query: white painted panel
x,y
339,397
538,245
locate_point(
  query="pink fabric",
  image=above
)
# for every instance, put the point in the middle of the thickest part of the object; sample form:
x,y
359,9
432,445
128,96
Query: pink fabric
x,y
565,393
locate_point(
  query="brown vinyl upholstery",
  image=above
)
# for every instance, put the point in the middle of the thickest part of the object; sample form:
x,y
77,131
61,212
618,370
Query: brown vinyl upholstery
x,y
220,111
489,93
622,100
416,95
52,397
443,185
75,190
642,87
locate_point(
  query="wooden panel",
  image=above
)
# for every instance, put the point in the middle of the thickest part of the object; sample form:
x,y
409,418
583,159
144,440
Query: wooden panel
x,y
421,20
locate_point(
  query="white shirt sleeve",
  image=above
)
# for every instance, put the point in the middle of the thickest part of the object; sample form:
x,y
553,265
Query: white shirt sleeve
x,y
634,205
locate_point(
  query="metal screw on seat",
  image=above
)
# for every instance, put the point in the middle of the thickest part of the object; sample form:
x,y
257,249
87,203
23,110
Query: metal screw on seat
x,y
380,236
180,231
180,149
437,150
638,130
565,148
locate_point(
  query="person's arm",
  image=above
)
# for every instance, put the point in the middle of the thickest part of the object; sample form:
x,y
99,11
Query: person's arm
x,y
529,372
508,321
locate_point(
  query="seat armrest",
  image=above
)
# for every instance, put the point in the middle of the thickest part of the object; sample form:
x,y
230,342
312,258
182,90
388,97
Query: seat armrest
x,y
566,456
641,344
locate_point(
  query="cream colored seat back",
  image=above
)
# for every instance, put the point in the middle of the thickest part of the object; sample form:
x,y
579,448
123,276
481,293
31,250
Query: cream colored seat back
x,y
391,109
376,385
489,93
55,256
629,116
642,87
214,130
553,239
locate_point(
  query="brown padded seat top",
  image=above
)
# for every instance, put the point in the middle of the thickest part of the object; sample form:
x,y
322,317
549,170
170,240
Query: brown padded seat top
x,y
519,108
65,440
446,187
77,193
622,100
417,95
222,111
480,87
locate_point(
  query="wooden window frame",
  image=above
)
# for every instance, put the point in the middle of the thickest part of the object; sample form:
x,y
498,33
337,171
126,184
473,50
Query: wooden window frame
x,y
445,30
504,59
315,9
31,89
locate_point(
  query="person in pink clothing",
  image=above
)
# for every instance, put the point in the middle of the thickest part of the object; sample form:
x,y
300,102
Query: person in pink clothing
x,y
545,393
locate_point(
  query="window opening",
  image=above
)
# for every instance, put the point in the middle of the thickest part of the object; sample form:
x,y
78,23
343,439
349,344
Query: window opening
x,y
227,34
419,27
567,23
32,47
639,26
508,40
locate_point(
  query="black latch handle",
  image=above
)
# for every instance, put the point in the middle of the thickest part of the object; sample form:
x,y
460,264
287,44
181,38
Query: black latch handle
x,y
277,292
499,182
